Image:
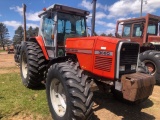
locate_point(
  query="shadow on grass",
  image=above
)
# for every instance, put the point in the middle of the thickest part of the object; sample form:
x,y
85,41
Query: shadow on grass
x,y
41,87
127,111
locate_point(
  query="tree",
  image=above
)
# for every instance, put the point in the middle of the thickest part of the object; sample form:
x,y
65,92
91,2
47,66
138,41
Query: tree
x,y
4,35
36,30
103,34
32,32
110,35
95,34
18,37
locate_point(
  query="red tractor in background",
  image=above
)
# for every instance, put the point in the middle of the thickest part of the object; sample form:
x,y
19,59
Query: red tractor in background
x,y
68,61
144,30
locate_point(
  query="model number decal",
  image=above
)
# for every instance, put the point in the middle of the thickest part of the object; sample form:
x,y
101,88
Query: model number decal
x,y
105,53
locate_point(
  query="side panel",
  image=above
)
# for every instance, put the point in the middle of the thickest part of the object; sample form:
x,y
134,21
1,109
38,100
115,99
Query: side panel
x,y
95,54
83,48
41,43
104,59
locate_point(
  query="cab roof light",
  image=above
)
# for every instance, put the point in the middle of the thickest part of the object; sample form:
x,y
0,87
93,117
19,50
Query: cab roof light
x,y
44,9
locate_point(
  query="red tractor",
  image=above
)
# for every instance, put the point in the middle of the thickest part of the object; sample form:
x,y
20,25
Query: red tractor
x,y
69,62
144,30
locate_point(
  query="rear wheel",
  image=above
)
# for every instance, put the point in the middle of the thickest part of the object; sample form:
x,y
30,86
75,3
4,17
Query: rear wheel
x,y
142,68
17,53
68,92
31,65
151,59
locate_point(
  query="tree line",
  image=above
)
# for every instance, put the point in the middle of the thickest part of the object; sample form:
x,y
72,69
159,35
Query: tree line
x,y
19,34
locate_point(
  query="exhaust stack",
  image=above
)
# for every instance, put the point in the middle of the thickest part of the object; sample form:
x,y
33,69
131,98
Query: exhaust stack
x,y
24,20
93,17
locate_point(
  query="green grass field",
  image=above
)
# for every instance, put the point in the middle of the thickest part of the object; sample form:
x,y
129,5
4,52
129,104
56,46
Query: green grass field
x,y
2,50
16,99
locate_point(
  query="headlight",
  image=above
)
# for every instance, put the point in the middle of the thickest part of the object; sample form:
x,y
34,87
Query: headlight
x,y
122,68
133,67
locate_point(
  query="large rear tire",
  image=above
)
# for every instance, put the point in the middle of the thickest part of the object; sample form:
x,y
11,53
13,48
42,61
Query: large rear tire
x,y
151,59
68,92
32,65
142,68
17,52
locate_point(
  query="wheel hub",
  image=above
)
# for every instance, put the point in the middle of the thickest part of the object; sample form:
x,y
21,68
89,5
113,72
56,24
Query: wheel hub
x,y
151,67
24,65
58,97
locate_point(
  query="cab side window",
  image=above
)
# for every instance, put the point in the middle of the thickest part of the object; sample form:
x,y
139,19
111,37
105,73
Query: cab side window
x,y
47,30
151,29
126,30
80,27
137,30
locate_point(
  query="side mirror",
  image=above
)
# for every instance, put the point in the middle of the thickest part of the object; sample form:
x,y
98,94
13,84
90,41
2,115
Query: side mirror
x,y
52,36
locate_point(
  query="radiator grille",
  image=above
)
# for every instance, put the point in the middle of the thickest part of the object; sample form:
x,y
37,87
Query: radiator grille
x,y
103,63
128,57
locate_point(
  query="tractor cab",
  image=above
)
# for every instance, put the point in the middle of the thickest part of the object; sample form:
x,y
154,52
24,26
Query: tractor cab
x,y
59,22
144,30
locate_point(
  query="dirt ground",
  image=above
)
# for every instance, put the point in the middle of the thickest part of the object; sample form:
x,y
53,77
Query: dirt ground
x,y
106,107
7,64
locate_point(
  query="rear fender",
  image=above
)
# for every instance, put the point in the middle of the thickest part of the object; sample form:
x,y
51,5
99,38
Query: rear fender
x,y
39,40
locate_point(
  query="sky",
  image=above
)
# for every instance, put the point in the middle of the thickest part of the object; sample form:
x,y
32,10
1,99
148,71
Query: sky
x,y
108,12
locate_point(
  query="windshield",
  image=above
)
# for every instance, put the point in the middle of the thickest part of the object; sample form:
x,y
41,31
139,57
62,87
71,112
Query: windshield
x,y
70,26
74,24
126,30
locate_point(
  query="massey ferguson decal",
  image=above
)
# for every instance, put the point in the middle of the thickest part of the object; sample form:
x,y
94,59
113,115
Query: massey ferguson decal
x,y
105,53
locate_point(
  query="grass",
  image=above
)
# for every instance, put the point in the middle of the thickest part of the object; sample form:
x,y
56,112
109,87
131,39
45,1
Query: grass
x,y
2,51
15,98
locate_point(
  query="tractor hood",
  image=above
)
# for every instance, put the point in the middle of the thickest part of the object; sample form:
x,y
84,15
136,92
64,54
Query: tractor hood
x,y
78,41
96,54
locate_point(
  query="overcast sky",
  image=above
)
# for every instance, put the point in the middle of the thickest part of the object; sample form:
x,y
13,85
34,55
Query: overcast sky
x,y
108,11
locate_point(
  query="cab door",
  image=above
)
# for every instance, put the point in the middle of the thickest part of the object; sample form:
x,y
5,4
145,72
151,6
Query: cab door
x,y
47,32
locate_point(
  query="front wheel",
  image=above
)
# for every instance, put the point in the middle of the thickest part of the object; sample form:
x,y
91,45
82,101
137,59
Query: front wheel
x,y
68,93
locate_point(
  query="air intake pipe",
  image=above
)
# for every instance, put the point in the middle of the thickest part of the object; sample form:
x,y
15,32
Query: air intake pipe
x,y
93,17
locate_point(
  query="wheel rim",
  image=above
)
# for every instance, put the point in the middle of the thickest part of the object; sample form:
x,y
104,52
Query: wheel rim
x,y
24,65
58,97
150,66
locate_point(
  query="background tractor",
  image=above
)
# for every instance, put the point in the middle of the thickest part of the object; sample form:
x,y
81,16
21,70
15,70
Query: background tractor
x,y
10,48
144,30
69,63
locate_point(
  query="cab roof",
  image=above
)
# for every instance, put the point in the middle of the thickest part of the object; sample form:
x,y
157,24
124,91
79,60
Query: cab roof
x,y
63,8
141,19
